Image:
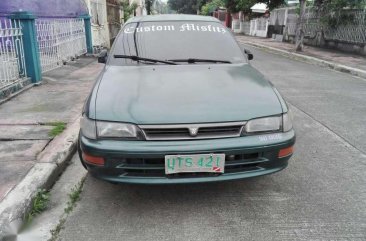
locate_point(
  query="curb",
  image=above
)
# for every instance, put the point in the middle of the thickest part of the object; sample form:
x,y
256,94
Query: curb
x,y
50,163
312,60
15,94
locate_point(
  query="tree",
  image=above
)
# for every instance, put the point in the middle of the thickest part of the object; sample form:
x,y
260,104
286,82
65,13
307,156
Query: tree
x,y
211,6
231,5
186,6
338,4
127,8
272,4
245,5
300,27
149,4
160,7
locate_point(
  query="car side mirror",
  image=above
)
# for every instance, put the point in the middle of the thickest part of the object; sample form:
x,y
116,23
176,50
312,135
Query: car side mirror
x,y
103,56
249,54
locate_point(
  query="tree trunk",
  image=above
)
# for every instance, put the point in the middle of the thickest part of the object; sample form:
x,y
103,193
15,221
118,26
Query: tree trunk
x,y
148,7
300,27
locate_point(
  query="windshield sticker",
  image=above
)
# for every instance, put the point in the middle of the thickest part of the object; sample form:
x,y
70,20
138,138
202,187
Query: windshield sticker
x,y
183,28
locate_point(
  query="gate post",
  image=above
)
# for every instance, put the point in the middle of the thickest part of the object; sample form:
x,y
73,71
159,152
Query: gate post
x,y
88,33
255,27
30,45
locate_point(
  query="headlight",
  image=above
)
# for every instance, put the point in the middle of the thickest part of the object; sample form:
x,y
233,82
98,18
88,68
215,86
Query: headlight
x,y
287,121
88,128
264,124
118,130
93,129
268,124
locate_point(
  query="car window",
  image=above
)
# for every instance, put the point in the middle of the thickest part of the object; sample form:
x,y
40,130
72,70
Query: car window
x,y
176,40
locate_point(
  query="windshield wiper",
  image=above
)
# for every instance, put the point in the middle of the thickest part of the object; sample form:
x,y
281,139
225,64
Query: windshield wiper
x,y
193,60
137,58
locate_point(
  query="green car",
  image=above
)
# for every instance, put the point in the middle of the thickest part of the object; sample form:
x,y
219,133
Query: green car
x,y
178,102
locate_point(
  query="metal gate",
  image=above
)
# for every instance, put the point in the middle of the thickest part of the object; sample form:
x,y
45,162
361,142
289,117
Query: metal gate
x,y
12,64
59,41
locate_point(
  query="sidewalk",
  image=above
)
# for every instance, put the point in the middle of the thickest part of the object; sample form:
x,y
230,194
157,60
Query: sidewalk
x,y
345,62
30,157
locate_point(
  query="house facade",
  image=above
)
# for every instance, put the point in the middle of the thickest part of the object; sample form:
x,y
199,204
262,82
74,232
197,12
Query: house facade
x,y
141,7
105,20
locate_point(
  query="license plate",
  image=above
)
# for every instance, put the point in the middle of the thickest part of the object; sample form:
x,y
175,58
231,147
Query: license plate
x,y
194,163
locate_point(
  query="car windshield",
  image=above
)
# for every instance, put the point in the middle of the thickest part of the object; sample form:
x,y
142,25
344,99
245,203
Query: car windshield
x,y
183,41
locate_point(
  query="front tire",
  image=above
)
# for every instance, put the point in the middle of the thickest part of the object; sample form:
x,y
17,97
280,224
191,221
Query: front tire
x,y
80,154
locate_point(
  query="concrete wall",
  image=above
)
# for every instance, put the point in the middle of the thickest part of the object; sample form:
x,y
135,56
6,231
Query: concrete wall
x,y
141,9
99,22
319,41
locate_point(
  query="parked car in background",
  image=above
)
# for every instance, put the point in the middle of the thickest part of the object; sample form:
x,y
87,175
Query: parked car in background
x,y
178,102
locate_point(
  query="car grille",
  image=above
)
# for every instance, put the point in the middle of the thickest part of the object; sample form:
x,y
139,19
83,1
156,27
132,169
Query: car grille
x,y
155,167
192,132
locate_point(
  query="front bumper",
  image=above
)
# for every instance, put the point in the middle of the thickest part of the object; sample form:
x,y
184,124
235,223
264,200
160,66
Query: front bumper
x,y
143,161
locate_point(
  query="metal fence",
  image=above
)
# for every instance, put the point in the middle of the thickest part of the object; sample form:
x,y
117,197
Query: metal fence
x,y
349,25
59,41
12,65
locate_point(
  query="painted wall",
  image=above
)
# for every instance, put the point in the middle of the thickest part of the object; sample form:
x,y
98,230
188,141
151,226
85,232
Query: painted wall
x,y
45,8
141,9
99,22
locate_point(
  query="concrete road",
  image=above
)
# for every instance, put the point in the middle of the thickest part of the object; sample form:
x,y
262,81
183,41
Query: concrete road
x,y
320,196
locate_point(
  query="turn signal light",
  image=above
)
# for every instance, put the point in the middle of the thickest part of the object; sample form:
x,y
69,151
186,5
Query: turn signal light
x,y
95,160
286,152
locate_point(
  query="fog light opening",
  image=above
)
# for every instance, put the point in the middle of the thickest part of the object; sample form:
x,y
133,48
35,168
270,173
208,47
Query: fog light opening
x,y
231,157
94,160
286,152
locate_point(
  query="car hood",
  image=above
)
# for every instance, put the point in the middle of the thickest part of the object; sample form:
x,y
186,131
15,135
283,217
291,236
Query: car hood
x,y
171,94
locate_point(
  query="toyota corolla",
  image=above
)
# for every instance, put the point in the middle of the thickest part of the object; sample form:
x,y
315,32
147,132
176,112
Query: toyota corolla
x,y
179,102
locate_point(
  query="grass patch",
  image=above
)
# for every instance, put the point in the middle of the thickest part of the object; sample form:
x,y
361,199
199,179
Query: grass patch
x,y
55,232
39,204
74,197
58,128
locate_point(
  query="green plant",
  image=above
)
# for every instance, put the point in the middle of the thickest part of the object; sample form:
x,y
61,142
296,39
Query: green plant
x,y
186,6
333,13
55,232
74,196
211,6
58,128
127,8
39,204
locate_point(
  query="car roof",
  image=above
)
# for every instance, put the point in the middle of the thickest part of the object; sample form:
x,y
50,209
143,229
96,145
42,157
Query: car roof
x,y
172,17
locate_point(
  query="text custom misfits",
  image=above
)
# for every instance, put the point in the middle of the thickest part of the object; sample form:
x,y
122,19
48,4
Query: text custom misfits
x,y
182,28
